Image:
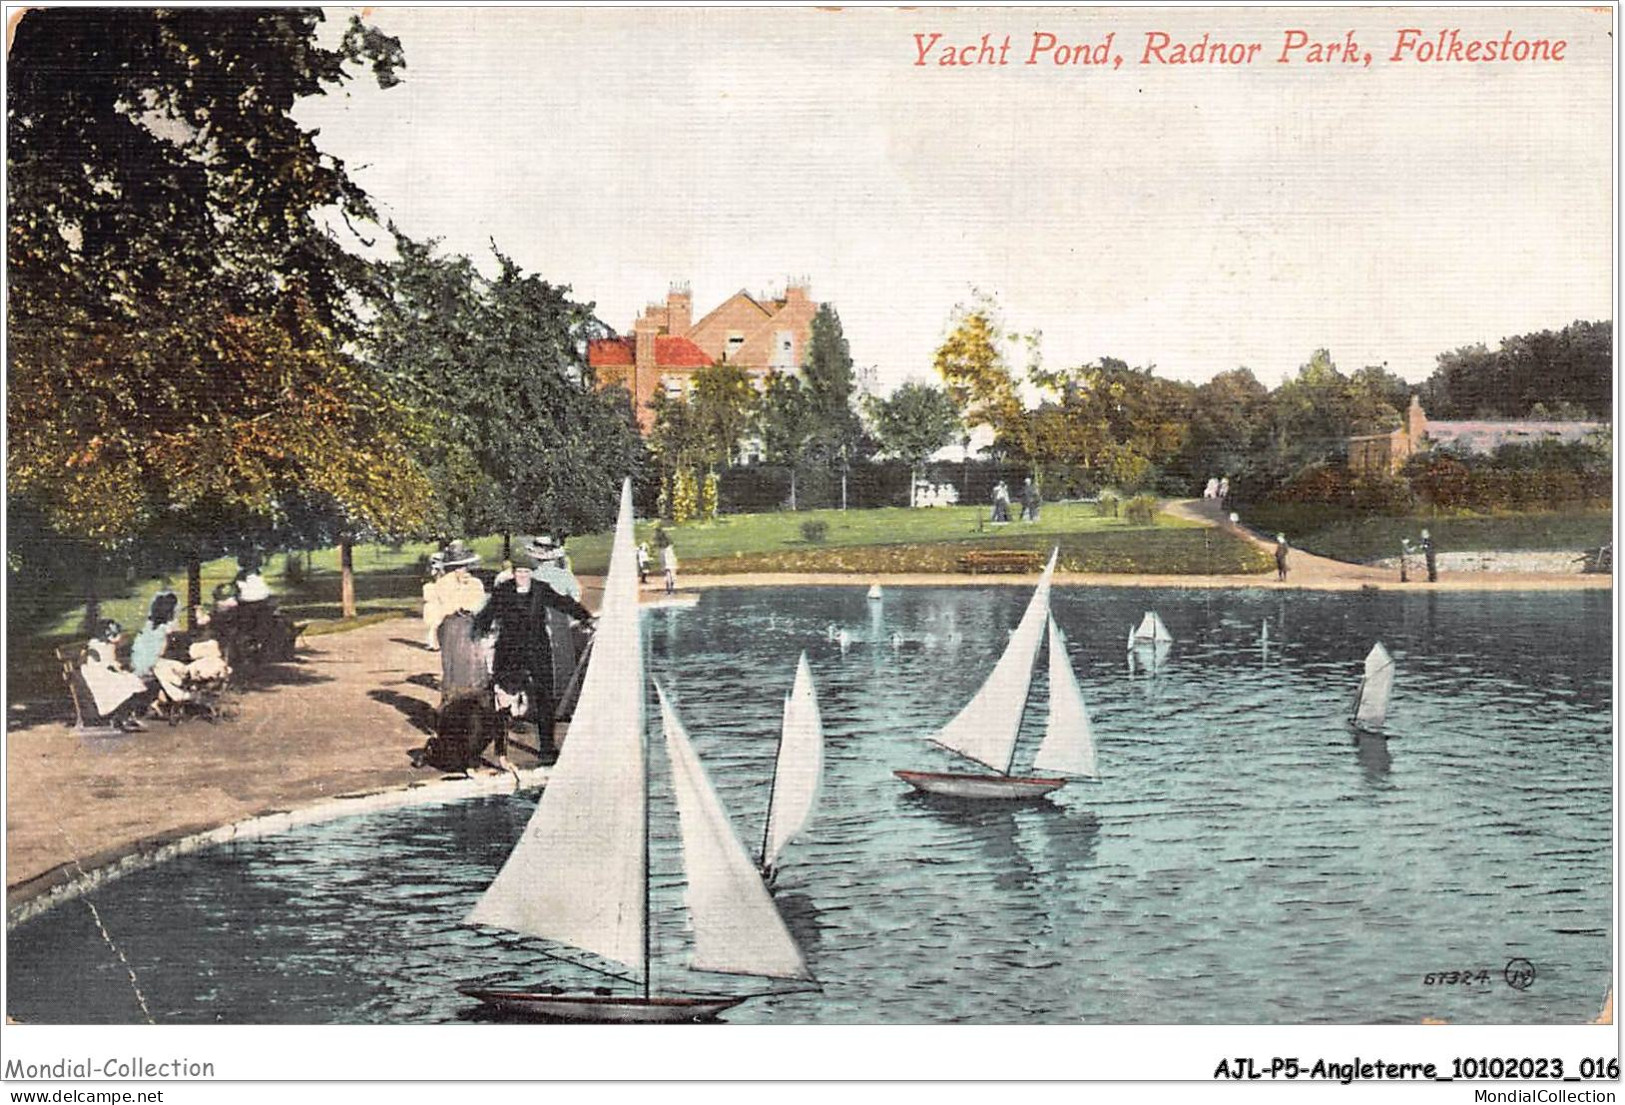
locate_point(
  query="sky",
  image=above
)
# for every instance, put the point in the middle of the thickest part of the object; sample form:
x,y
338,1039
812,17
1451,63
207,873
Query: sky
x,y
1195,217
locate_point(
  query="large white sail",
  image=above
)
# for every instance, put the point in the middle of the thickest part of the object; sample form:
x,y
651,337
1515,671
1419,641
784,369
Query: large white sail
x,y
1375,689
737,929
577,875
986,728
800,768
1068,746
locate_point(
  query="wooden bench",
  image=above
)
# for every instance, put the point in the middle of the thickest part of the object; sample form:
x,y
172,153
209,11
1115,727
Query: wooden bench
x,y
1002,560
86,721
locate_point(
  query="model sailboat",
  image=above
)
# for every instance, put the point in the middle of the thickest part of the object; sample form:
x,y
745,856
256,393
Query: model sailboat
x,y
1376,687
798,772
986,729
579,875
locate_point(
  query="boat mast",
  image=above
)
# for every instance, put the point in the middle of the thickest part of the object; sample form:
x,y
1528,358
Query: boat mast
x,y
772,791
643,738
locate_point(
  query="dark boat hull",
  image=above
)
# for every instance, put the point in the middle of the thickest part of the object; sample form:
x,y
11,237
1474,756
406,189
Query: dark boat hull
x,y
998,787
594,1009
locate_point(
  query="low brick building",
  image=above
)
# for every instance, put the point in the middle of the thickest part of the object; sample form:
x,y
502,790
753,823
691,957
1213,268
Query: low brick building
x,y
1386,454
759,333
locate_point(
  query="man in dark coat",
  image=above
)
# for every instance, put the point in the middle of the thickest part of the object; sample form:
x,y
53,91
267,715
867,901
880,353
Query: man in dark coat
x,y
1430,557
522,669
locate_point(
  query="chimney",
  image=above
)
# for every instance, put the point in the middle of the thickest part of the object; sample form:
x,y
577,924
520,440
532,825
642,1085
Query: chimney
x,y
679,310
643,356
796,291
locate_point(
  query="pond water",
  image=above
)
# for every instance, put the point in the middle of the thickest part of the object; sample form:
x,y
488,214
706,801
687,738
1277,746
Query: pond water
x,y
1246,859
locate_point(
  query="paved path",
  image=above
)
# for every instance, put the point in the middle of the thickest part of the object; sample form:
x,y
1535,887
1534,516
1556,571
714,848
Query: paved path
x,y
343,718
1305,569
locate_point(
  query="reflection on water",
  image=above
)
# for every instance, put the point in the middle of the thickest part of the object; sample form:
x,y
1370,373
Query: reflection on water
x,y
1247,858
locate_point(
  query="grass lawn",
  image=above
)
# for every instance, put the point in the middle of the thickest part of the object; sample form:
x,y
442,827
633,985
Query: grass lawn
x,y
389,579
898,539
1360,538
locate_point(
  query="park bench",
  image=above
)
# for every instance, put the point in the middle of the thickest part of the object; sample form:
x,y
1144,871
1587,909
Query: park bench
x,y
1001,560
86,721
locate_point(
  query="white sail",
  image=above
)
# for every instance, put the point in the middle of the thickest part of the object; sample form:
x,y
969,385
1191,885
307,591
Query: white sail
x,y
986,728
737,929
800,768
1068,746
1375,689
578,872
1151,631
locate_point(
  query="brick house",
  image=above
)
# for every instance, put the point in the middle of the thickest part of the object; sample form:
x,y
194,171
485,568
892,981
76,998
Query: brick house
x,y
1386,454
761,334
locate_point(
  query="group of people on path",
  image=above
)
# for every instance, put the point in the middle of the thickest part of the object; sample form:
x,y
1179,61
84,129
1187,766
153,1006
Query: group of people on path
x,y
169,668
507,655
668,558
1424,546
1217,489
1031,502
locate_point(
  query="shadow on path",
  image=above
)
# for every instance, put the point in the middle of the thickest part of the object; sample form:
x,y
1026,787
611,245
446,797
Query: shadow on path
x,y
418,712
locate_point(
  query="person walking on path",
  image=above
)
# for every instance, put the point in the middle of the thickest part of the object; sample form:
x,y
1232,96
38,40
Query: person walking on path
x,y
643,563
668,565
1431,558
1224,491
1280,557
1404,560
1030,501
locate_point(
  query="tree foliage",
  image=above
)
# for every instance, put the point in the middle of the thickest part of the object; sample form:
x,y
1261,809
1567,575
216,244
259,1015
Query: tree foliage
x,y
972,363
179,308
723,408
830,387
1569,369
520,439
915,421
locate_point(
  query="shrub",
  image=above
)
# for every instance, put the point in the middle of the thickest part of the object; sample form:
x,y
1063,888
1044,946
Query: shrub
x,y
1140,510
814,531
708,497
1108,506
293,571
685,497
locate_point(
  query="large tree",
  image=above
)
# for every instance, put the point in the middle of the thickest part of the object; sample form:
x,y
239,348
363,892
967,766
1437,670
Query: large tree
x,y
787,421
520,438
912,423
179,304
723,405
830,388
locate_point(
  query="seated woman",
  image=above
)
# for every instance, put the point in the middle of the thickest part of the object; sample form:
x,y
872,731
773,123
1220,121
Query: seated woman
x,y
147,654
120,695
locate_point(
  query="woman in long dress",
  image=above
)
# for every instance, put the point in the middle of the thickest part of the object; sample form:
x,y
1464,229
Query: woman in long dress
x,y
466,721
553,569
119,695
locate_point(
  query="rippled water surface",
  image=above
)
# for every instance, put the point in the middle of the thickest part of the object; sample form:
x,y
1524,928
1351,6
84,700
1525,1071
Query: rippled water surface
x,y
1246,860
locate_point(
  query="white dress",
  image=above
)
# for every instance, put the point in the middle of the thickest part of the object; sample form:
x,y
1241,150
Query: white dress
x,y
111,686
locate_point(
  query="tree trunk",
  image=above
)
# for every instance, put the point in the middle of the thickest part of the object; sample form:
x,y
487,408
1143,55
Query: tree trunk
x,y
93,603
507,546
194,590
792,486
913,482
346,578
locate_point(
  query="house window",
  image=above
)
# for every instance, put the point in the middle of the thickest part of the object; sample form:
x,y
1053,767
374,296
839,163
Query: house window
x,y
736,341
784,348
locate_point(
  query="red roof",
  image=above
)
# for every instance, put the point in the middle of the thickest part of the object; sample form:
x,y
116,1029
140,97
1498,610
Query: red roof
x,y
675,352
671,351
609,353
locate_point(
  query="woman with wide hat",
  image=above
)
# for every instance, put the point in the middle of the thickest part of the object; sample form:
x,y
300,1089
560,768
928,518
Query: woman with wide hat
x,y
467,722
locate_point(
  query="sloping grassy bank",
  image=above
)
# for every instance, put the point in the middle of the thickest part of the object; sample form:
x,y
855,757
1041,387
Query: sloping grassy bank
x,y
1362,538
898,539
